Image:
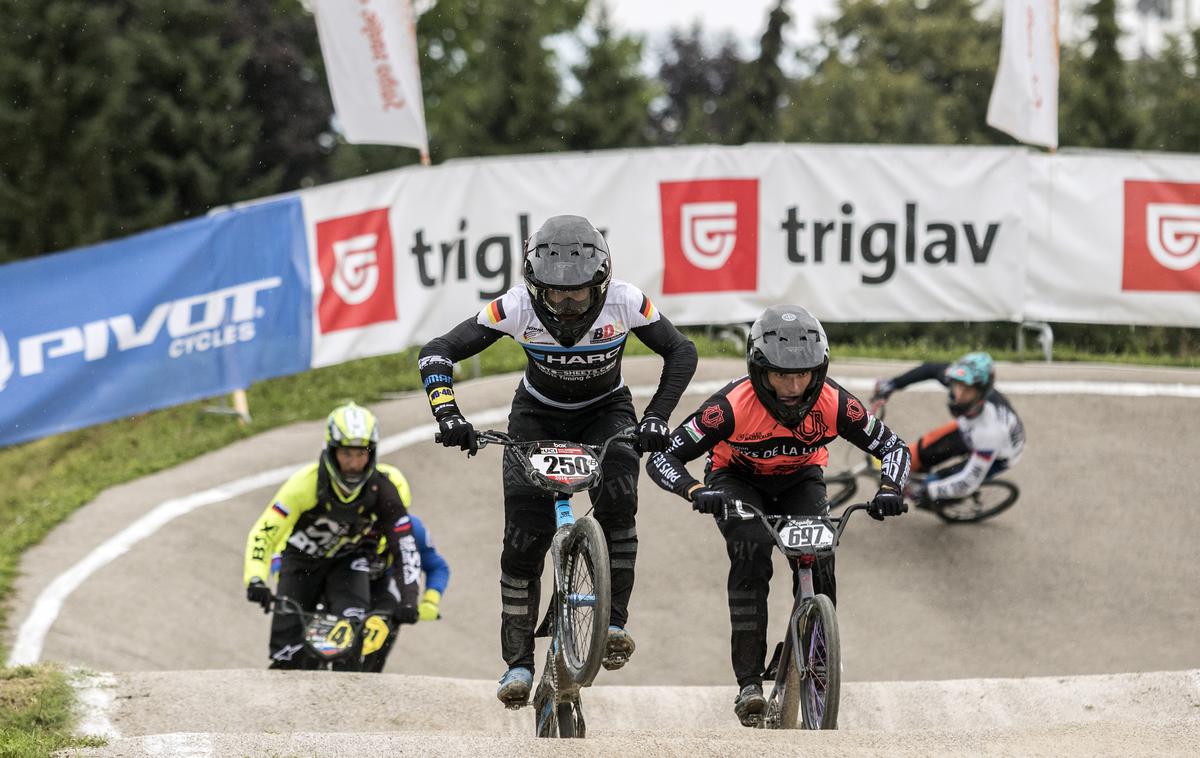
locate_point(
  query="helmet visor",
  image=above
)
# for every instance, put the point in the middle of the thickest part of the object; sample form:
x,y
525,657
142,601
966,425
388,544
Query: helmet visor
x,y
568,303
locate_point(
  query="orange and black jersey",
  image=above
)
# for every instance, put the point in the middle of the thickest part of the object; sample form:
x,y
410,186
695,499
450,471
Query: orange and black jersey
x,y
739,434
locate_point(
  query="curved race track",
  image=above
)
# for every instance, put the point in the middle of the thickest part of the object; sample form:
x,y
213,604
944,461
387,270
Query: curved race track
x,y
1093,572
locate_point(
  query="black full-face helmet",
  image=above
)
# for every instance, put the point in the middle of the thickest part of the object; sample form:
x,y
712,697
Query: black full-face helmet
x,y
565,259
787,339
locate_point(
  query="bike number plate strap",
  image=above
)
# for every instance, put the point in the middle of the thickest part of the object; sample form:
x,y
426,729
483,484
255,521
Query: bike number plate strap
x,y
563,462
813,533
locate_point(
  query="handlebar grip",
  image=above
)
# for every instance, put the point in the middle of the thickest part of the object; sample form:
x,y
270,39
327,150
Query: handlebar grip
x,y
437,437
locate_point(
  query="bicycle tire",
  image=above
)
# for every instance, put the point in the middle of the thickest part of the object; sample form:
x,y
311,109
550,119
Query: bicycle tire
x,y
980,504
840,488
819,660
566,721
584,565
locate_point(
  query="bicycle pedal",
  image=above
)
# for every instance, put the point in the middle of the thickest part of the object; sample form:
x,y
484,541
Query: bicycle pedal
x,y
514,706
614,661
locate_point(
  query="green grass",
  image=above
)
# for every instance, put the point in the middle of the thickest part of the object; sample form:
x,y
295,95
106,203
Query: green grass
x,y
36,712
49,478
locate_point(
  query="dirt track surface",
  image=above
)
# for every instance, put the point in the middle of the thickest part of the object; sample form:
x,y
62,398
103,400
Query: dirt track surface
x,y
1093,572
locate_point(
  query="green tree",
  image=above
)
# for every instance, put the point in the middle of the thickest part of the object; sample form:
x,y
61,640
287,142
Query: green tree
x,y
612,104
1096,107
118,117
1168,92
900,71
697,105
762,84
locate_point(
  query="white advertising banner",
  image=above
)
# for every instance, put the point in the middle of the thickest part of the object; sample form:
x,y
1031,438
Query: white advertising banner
x,y
1116,239
370,52
711,234
1024,100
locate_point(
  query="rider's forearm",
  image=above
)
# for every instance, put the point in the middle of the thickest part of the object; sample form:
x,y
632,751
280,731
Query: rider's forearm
x,y
679,364
965,481
438,356
920,374
668,472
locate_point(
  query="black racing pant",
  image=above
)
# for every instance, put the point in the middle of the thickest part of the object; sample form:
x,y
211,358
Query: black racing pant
x,y
751,547
529,512
341,583
938,446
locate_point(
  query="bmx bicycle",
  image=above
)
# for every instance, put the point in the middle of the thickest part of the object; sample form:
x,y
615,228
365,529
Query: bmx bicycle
x,y
806,666
993,497
576,619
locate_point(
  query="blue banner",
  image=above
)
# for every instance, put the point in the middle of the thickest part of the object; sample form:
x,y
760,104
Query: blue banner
x,y
192,310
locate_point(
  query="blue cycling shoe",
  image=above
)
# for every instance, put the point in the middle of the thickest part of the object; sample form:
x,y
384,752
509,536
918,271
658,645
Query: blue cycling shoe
x,y
514,687
617,648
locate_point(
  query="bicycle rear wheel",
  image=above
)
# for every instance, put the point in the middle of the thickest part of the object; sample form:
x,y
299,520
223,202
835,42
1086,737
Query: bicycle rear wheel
x,y
584,600
819,660
839,488
993,497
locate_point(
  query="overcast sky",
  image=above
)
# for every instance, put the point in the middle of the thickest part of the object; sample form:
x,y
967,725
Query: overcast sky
x,y
745,19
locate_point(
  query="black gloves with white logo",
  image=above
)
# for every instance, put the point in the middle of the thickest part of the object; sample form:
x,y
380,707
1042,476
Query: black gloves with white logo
x,y
258,592
653,435
456,431
887,502
709,500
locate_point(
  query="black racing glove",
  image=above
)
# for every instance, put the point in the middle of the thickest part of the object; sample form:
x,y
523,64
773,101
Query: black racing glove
x,y
887,502
709,500
883,390
653,435
258,592
456,431
406,614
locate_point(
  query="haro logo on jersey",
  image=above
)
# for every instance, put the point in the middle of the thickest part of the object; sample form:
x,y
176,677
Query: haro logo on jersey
x,y
710,235
354,255
566,359
1162,236
196,324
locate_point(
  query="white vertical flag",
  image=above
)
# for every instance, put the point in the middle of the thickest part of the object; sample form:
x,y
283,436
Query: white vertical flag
x,y
370,51
1024,100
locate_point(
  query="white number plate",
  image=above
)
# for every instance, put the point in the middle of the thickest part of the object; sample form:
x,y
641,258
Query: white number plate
x,y
812,533
566,464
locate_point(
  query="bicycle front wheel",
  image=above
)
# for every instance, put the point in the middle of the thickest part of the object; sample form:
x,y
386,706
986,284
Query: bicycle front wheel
x,y
839,488
584,600
993,497
819,660
783,707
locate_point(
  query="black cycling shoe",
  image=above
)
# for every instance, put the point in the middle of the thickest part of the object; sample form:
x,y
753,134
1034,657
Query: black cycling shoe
x,y
750,705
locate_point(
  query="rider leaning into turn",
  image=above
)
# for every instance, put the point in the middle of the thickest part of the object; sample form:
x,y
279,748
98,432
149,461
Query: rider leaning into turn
x,y
986,432
572,319
326,522
765,435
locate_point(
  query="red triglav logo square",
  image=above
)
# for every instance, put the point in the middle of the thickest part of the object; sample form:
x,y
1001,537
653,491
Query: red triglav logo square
x,y
1162,236
354,254
710,235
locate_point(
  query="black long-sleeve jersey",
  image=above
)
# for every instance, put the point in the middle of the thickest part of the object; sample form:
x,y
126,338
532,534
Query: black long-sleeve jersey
x,y
737,432
565,377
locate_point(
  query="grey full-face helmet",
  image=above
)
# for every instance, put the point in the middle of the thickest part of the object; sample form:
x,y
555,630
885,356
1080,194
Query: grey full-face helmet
x,y
567,271
787,339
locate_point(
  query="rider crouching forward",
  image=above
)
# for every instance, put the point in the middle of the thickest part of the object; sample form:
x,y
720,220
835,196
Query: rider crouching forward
x,y
572,320
326,520
765,436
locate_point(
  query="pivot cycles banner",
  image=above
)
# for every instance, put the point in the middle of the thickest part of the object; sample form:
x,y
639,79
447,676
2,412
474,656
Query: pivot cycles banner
x,y
712,235
192,310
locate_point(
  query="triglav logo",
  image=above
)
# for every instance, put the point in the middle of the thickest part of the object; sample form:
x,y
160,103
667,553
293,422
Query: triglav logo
x,y
6,364
356,270
1162,236
708,232
710,235
354,255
